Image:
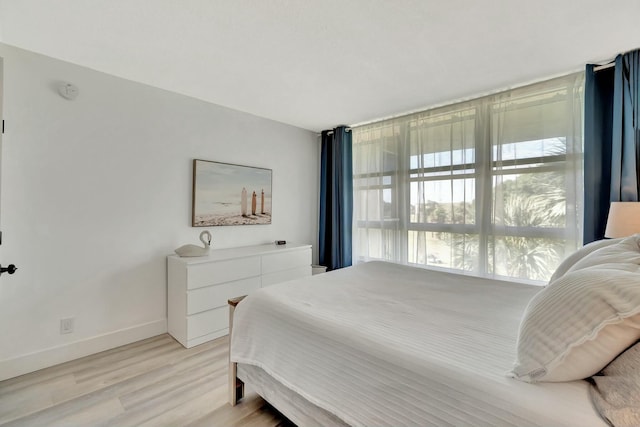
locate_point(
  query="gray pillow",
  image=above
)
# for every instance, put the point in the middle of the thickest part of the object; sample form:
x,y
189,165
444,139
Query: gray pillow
x,y
616,390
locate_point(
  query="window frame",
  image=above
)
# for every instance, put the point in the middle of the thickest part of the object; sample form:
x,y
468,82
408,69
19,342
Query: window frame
x,y
481,171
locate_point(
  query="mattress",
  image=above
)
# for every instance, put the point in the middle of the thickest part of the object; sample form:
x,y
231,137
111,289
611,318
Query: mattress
x,y
385,344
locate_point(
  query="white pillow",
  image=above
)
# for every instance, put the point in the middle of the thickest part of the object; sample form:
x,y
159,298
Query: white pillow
x,y
579,254
582,320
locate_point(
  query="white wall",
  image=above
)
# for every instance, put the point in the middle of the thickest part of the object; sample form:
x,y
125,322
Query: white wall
x,y
97,191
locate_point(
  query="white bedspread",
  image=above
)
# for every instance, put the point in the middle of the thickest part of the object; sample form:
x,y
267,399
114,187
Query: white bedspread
x,y
383,344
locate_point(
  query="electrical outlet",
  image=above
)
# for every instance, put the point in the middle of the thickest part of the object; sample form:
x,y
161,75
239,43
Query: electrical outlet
x,y
66,325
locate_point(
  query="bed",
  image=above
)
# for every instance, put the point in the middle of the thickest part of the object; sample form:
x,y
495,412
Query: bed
x,y
385,344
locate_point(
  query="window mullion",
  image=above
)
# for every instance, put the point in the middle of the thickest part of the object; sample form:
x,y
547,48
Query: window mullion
x,y
484,183
404,189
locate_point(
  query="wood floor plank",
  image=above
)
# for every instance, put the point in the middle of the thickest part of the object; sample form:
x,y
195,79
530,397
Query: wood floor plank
x,y
183,378
105,357
92,415
165,402
227,415
154,382
97,373
28,400
156,367
190,410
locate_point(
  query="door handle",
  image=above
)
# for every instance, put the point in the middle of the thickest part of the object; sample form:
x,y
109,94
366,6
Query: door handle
x,y
9,269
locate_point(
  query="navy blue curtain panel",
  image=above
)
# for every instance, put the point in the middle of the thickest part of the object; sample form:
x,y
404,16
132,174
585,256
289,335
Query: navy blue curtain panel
x,y
598,119
611,140
626,132
336,199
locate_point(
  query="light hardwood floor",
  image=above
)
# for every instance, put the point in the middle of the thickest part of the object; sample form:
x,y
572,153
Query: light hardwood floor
x,y
154,382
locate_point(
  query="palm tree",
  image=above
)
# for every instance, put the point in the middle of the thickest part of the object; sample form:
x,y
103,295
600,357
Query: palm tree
x,y
531,200
526,257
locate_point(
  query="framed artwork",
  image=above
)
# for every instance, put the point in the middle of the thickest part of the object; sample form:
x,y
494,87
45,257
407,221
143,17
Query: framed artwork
x,y
226,194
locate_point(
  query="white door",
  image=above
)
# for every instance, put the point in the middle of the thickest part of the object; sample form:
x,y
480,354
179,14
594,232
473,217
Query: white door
x,y
1,116
9,268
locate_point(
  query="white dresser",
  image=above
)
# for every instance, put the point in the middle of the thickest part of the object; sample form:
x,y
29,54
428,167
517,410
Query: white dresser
x,y
199,287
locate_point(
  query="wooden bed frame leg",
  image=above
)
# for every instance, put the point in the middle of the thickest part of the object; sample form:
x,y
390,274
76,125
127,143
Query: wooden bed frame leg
x,y
236,386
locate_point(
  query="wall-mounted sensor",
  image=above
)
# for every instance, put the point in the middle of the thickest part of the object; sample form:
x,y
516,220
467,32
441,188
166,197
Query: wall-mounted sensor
x,y
68,91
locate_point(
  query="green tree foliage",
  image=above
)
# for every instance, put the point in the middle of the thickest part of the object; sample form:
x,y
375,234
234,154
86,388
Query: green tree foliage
x,y
536,200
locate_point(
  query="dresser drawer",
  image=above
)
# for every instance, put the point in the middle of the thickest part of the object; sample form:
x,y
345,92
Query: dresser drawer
x,y
212,273
207,322
202,299
286,260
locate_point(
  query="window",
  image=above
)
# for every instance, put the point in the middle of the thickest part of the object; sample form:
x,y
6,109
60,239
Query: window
x,y
490,187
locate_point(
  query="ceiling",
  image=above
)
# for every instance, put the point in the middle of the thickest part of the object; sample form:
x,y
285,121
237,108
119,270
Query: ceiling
x,y
316,64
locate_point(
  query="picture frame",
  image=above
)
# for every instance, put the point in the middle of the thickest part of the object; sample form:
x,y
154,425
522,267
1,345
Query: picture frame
x,y
229,194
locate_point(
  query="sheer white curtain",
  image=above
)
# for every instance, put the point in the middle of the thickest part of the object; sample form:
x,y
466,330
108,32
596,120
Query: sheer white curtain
x,y
492,187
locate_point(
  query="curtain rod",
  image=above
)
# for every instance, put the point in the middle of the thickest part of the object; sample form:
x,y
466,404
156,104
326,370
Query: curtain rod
x,y
347,129
468,98
603,66
612,62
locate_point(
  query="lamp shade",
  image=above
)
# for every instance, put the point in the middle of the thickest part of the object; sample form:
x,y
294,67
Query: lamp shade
x,y
624,219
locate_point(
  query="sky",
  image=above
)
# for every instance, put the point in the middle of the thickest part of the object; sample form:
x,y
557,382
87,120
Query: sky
x,y
459,190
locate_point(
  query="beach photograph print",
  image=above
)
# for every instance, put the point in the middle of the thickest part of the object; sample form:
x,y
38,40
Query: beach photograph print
x,y
226,194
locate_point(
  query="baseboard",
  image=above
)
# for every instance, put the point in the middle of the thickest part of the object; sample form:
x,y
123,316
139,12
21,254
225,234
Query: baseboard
x,y
31,362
